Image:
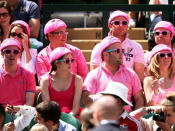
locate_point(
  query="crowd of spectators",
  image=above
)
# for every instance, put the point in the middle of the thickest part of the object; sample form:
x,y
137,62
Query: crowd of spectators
x,y
122,86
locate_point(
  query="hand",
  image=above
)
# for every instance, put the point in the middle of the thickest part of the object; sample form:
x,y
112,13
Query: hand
x,y
25,41
155,86
9,109
163,126
10,127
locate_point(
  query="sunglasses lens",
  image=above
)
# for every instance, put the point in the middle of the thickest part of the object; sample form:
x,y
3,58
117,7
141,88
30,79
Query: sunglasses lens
x,y
164,33
162,55
117,22
67,61
16,52
118,51
124,22
169,54
7,51
72,60
157,33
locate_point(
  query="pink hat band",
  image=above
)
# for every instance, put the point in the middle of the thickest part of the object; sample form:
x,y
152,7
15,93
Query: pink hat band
x,y
58,53
165,25
23,23
116,14
10,42
53,25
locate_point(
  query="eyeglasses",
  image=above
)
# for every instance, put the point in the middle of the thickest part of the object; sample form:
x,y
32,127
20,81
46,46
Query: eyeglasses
x,y
157,33
165,54
116,50
67,60
13,34
119,22
5,14
59,33
7,51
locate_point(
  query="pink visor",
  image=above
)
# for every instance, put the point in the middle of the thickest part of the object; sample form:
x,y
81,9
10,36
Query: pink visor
x,y
53,24
116,14
106,42
10,42
158,48
164,25
58,52
23,23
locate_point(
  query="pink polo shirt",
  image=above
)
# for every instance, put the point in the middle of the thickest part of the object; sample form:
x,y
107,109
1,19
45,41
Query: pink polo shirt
x,y
78,67
133,53
14,88
97,80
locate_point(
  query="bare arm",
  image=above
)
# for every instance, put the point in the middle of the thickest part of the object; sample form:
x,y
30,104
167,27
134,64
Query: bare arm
x,y
139,99
86,99
30,98
77,94
34,27
139,69
45,88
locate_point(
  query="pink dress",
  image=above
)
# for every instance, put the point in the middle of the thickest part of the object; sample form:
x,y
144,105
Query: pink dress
x,y
157,98
63,98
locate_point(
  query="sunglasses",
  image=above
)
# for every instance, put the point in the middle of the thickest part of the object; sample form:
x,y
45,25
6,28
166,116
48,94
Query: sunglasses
x,y
7,51
4,14
119,22
14,34
165,54
157,33
59,33
67,60
116,50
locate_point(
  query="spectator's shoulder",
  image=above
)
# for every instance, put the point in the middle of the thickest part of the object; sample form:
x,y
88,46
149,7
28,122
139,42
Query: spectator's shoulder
x,y
72,48
134,43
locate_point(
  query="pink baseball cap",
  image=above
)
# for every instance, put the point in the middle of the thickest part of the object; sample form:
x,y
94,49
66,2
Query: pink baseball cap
x,y
58,52
23,23
165,25
116,14
10,42
107,41
53,24
158,48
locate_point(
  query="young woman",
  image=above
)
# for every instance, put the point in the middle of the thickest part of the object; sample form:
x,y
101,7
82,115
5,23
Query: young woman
x,y
160,79
61,85
20,30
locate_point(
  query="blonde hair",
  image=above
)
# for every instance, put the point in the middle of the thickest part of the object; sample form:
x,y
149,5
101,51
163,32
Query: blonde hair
x,y
154,68
169,100
39,127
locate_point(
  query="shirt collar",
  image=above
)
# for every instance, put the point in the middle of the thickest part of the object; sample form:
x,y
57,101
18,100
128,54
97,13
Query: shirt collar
x,y
124,115
108,121
4,73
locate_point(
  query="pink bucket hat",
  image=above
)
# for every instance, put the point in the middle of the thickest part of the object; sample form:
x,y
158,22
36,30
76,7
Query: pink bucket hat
x,y
23,23
58,52
117,89
10,42
165,25
53,24
106,42
158,48
115,14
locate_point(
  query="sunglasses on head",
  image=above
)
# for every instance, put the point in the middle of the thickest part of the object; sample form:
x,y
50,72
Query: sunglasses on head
x,y
157,33
67,60
165,54
7,51
59,33
13,34
5,14
119,22
116,50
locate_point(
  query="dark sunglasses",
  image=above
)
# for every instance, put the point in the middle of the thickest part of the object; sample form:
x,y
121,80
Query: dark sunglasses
x,y
116,50
157,33
7,51
119,22
67,60
165,54
4,14
13,34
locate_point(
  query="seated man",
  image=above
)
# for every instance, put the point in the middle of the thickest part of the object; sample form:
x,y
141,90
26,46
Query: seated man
x,y
112,69
48,113
17,84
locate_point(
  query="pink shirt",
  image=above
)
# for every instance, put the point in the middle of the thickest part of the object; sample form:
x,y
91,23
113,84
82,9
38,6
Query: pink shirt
x,y
78,67
97,80
133,53
14,88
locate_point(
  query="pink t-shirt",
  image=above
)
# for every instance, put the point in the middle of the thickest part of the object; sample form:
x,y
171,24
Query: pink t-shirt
x,y
133,53
78,67
14,89
97,80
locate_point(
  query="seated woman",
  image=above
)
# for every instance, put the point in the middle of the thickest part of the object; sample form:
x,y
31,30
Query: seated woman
x,y
160,79
61,85
20,30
